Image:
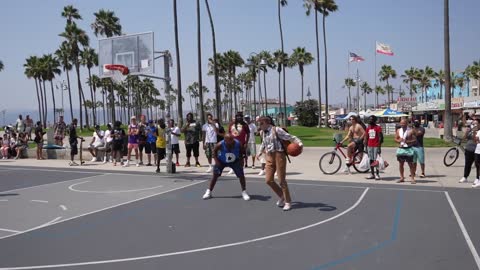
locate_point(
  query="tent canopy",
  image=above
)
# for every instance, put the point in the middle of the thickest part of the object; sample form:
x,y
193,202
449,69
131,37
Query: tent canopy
x,y
349,115
390,113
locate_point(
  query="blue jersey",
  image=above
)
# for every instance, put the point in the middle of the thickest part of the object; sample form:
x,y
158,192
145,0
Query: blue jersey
x,y
151,131
229,156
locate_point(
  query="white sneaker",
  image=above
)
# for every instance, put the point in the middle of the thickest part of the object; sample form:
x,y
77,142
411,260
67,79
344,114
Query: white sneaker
x,y
230,172
209,170
208,194
287,207
280,203
73,163
138,164
125,164
262,172
346,169
93,159
463,180
253,166
245,195
475,183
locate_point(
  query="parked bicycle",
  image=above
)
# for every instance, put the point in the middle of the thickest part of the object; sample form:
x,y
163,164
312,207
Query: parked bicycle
x,y
453,153
331,162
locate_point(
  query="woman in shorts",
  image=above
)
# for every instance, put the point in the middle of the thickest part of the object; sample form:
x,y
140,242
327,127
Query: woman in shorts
x,y
39,139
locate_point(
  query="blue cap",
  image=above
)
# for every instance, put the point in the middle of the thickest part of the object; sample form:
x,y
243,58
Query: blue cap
x,y
150,121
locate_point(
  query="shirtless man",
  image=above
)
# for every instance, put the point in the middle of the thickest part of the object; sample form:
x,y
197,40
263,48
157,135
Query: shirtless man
x,y
356,135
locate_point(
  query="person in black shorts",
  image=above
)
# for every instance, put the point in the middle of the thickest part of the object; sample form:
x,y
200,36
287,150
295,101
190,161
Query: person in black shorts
x,y
174,136
118,135
192,130
150,147
73,140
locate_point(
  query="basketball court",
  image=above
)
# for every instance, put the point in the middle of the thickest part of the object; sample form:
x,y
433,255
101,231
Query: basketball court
x,y
74,219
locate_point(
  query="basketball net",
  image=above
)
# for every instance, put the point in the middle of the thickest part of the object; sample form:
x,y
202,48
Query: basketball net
x,y
119,72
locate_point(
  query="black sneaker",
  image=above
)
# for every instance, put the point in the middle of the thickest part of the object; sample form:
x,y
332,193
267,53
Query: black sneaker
x,y
198,165
157,171
149,164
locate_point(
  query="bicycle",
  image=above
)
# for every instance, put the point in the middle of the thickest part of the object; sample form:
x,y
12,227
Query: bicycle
x,y
333,160
453,153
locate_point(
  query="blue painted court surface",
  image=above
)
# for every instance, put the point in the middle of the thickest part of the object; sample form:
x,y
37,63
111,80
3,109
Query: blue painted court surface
x,y
73,219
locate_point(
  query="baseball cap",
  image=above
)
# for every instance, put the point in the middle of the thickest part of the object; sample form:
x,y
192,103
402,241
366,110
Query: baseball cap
x,y
247,116
150,121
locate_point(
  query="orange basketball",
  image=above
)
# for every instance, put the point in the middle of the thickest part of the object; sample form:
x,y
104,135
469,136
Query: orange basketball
x,y
294,149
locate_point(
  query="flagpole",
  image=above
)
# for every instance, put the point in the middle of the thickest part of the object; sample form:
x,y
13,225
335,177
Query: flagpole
x,y
348,76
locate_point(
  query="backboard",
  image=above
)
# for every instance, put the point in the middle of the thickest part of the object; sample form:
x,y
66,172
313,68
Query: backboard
x,y
135,51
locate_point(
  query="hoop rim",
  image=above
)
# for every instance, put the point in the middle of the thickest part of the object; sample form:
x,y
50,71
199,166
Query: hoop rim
x,y
116,67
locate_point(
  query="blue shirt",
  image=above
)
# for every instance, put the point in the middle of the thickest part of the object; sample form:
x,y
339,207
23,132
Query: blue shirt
x,y
151,131
229,156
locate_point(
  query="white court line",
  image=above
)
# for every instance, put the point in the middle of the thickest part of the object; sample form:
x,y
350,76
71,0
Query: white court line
x,y
464,231
100,210
108,191
3,200
55,183
360,187
7,230
196,250
39,201
47,170
64,208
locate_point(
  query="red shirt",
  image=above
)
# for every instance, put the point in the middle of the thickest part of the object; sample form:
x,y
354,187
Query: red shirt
x,y
373,134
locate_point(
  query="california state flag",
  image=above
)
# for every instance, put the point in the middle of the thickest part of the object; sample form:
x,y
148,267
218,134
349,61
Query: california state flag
x,y
384,49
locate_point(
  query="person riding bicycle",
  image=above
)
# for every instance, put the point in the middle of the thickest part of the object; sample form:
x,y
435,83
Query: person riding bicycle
x,y
356,135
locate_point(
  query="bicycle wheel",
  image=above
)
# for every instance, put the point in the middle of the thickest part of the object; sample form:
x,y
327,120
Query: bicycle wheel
x,y
450,157
330,163
357,158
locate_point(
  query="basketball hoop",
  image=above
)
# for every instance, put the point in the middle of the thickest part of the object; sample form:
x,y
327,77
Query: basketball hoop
x,y
119,72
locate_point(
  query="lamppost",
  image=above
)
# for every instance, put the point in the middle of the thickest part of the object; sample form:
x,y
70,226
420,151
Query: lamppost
x,y
262,63
63,87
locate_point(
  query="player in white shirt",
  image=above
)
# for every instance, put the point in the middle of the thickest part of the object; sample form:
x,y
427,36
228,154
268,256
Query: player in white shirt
x,y
209,132
251,147
108,144
174,135
97,142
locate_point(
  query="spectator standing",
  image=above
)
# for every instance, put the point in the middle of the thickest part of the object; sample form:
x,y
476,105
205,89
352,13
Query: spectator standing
x,y
252,147
133,131
161,143
73,140
108,138
28,127
142,137
174,136
209,131
405,153
118,143
150,147
469,150
59,131
276,160
39,139
419,132
192,130
373,140
20,124
240,131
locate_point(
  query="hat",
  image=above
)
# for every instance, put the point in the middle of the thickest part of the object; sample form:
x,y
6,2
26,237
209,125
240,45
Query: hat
x,y
150,121
133,117
247,116
97,127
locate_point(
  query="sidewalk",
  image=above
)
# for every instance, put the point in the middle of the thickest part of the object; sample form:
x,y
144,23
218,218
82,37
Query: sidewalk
x,y
304,167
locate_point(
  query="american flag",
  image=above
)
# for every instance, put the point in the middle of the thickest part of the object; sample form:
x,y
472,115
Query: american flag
x,y
356,58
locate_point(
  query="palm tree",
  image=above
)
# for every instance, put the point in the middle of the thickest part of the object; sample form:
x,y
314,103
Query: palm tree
x,y
386,73
199,50
89,59
63,55
51,68
301,58
378,91
1,65
71,13
106,24
388,89
232,61
448,98
31,67
439,81
349,83
215,67
472,72
459,81
424,78
282,3
408,78
309,5
366,89
281,60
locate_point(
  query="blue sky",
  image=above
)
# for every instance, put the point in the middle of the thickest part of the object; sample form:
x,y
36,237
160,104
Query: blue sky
x,y
414,29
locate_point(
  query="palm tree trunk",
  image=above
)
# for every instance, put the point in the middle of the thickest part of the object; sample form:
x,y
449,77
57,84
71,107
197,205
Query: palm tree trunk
x,y
265,91
38,100
326,73
45,112
80,91
69,95
42,102
283,52
448,105
112,102
280,94
255,96
215,70
53,99
349,107
179,73
199,49
91,96
234,90
318,73
103,106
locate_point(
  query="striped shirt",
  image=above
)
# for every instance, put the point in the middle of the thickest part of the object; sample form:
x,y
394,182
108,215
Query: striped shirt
x,y
271,143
